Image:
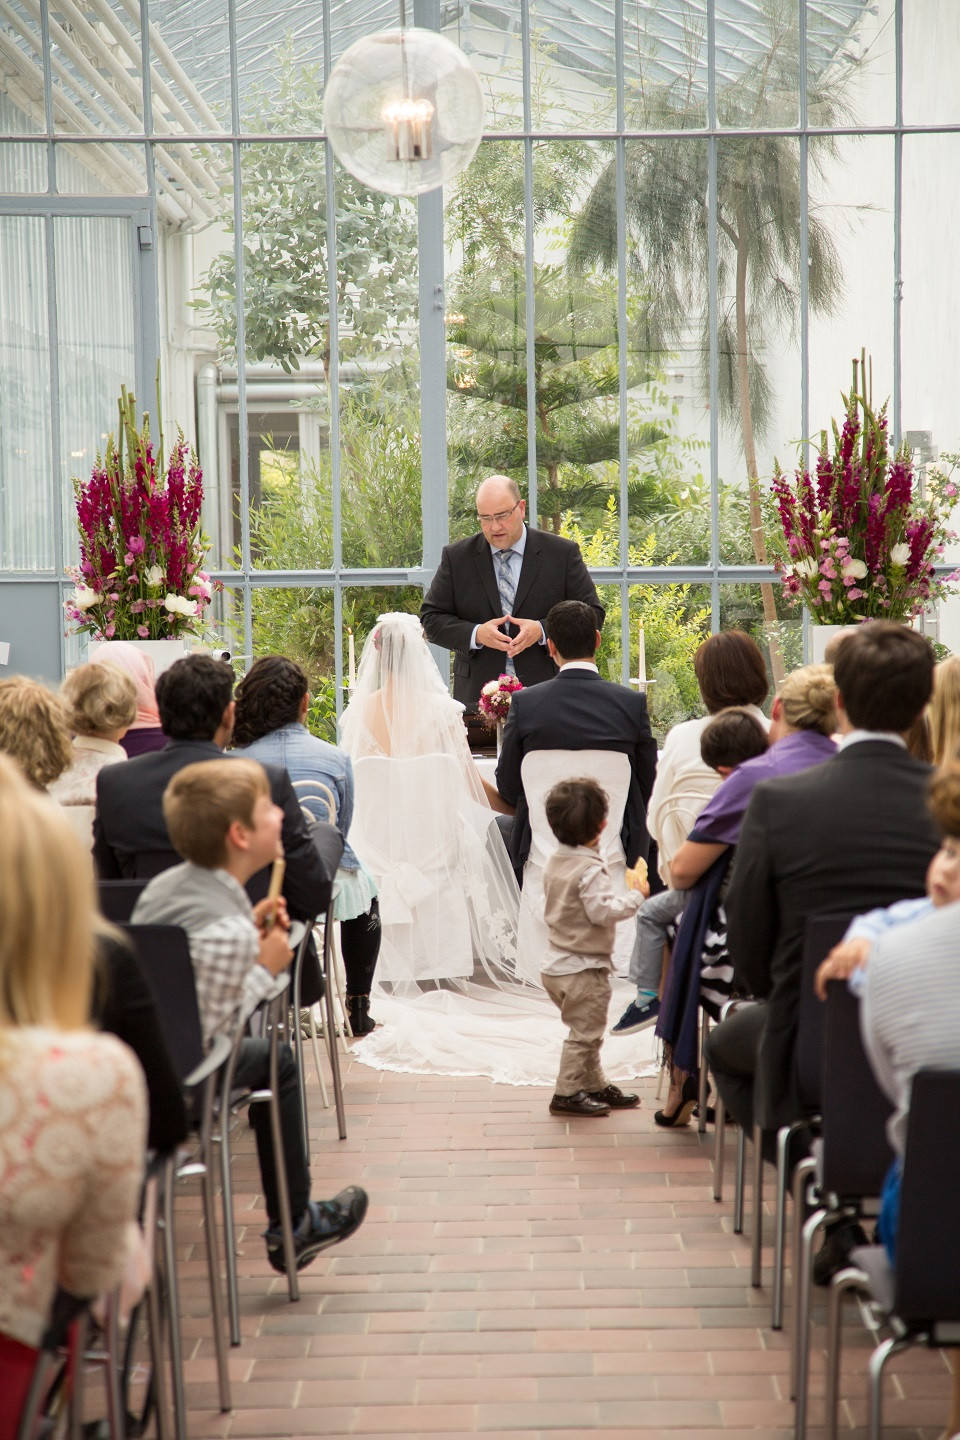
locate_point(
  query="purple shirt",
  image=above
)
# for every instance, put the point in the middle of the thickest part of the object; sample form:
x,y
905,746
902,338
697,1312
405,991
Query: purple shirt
x,y
141,741
719,821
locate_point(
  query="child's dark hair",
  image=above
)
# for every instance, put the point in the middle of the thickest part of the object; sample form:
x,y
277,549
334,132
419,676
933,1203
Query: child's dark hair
x,y
576,810
730,738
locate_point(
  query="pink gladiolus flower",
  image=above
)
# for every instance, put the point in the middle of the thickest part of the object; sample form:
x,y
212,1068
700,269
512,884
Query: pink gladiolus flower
x,y
143,631
110,631
856,593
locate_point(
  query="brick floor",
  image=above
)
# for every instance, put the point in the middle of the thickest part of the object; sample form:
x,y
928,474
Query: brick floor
x,y
517,1276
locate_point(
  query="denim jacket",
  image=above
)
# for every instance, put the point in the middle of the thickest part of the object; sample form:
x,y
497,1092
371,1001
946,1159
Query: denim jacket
x,y
306,758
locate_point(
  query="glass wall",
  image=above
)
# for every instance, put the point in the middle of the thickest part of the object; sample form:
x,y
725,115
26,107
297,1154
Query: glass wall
x,y
684,221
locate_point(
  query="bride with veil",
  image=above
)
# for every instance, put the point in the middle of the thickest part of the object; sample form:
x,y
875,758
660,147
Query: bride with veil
x,y
448,992
449,900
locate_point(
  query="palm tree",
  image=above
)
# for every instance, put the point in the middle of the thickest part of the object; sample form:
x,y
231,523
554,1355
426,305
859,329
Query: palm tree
x,y
758,232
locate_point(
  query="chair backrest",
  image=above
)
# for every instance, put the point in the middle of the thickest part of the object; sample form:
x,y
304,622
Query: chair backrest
x,y
928,1237
678,813
542,769
317,799
821,934
854,1110
164,957
118,898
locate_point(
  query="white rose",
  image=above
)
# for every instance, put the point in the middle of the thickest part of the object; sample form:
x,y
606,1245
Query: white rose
x,y
154,575
84,597
854,569
177,605
491,687
900,554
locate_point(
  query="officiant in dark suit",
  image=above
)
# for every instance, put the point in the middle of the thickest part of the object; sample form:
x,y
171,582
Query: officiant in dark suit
x,y
492,591
578,710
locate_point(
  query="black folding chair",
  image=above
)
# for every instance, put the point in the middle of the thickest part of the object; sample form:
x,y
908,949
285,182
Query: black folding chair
x,y
854,1156
919,1297
164,957
118,898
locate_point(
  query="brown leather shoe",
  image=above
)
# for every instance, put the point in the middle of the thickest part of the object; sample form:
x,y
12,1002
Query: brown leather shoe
x,y
613,1096
579,1104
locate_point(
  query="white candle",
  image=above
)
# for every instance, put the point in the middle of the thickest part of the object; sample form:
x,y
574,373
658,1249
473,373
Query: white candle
x,y
351,661
641,656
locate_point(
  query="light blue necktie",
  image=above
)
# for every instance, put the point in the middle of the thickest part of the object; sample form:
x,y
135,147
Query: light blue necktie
x,y
506,585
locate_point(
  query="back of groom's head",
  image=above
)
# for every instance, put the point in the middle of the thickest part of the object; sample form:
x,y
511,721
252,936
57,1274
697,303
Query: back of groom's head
x,y
572,626
884,674
192,696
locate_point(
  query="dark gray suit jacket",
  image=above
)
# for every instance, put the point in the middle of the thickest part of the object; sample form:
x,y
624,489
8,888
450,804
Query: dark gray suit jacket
x,y
849,835
464,594
578,710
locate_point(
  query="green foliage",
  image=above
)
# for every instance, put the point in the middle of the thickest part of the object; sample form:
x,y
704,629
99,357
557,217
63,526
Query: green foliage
x,y
674,624
286,266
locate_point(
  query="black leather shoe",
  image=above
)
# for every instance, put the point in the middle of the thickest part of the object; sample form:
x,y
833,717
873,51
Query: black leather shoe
x,y
834,1253
613,1096
579,1104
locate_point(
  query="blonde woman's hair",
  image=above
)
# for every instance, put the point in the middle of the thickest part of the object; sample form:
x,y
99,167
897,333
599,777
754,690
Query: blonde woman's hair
x,y
809,699
46,911
99,699
944,711
33,730
204,799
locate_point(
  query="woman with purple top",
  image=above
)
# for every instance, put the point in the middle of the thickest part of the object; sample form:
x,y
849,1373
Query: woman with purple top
x,y
803,720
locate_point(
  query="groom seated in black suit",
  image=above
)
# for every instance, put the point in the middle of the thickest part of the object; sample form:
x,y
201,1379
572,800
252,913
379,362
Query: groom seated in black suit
x,y
846,836
130,839
578,710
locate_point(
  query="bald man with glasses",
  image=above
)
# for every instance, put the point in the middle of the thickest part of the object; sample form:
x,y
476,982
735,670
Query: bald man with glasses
x,y
492,591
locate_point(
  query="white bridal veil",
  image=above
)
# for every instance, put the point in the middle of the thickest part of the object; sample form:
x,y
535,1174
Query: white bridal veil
x,y
448,994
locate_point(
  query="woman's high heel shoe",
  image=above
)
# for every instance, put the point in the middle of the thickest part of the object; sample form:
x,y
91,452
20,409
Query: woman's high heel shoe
x,y
689,1096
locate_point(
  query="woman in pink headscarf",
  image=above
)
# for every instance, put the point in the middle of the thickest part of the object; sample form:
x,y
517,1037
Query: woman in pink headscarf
x,y
145,733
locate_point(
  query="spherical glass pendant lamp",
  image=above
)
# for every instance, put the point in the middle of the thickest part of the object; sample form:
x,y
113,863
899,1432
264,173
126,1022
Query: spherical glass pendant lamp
x,y
403,111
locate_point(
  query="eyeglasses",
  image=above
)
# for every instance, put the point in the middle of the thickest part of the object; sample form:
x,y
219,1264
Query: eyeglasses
x,y
500,516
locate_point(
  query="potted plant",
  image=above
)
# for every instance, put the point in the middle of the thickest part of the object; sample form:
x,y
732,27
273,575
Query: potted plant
x,y
142,546
857,541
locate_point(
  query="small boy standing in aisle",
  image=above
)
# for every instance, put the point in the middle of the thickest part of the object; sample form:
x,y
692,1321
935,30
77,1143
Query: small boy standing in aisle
x,y
581,912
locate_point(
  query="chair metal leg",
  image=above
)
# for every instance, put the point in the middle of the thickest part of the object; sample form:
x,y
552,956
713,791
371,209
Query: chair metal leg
x,y
314,1041
157,1355
756,1239
81,1331
878,1360
719,1148
702,1099
803,1172
784,1136
331,1029
801,1316
173,1299
738,1180
229,1224
298,1056
850,1279
213,1259
116,1411
276,1131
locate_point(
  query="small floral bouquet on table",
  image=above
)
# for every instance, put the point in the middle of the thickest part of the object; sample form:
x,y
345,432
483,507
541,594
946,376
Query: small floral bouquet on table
x,y
496,697
142,547
858,541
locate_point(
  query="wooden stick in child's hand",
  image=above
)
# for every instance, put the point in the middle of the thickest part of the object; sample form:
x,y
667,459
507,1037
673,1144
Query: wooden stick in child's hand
x,y
276,885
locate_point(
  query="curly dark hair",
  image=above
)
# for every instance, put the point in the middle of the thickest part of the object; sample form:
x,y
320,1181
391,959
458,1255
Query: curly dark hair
x,y
268,696
192,696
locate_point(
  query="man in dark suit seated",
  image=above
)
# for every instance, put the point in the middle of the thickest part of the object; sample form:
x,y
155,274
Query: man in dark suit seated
x,y
130,840
578,711
848,835
492,591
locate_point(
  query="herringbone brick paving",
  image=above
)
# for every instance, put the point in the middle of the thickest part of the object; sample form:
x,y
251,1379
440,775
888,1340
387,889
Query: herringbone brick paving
x,y
517,1276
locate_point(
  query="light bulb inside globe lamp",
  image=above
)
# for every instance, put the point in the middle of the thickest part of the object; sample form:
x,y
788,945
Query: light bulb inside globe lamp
x,y
408,122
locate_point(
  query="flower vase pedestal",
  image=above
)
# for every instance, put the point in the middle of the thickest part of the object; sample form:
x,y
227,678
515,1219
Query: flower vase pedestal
x,y
163,653
817,637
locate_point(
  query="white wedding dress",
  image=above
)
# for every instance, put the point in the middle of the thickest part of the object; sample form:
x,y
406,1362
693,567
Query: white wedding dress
x,y
448,995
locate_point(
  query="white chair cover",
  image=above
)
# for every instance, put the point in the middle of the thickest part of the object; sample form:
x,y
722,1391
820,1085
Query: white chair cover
x,y
540,771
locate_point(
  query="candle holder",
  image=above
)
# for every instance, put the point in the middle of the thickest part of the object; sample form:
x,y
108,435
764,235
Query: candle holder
x,y
642,685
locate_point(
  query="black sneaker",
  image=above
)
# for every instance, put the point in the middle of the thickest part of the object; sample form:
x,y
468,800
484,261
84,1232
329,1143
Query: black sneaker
x,y
637,1016
834,1253
322,1224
